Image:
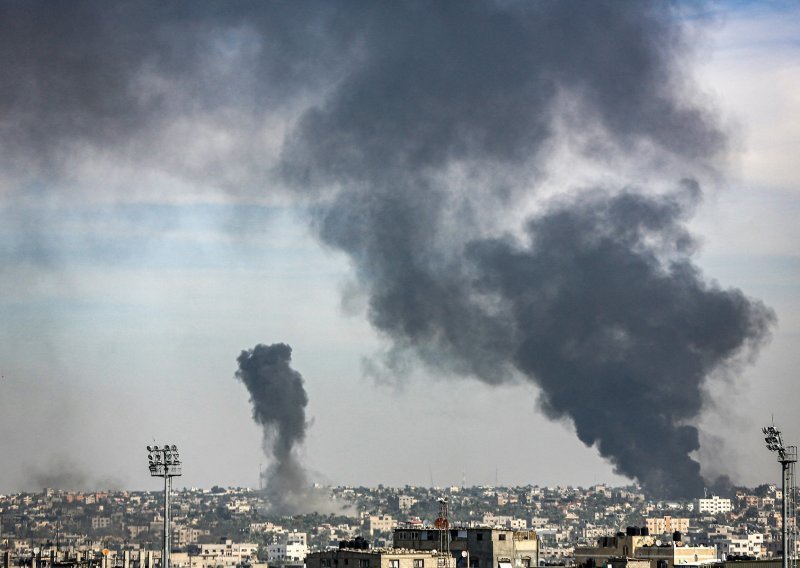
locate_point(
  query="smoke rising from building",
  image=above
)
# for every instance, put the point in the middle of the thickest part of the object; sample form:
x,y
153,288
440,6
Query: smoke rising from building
x,y
598,303
279,406
619,329
420,133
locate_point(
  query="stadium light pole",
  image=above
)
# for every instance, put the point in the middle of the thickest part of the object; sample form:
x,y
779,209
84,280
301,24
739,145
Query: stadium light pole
x,y
165,462
787,456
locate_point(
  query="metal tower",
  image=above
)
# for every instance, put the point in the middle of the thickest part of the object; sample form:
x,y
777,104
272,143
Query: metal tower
x,y
165,462
787,457
443,524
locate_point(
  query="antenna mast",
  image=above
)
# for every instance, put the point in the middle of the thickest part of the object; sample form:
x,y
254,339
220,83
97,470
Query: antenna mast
x,y
443,524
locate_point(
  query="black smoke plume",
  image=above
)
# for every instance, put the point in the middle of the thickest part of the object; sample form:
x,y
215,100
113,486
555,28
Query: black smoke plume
x,y
421,133
618,327
429,146
279,405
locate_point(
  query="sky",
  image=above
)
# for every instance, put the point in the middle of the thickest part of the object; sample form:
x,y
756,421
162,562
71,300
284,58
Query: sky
x,y
178,186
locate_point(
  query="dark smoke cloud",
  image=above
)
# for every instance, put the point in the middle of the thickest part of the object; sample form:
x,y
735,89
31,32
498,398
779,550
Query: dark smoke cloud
x,y
138,82
153,86
419,130
279,405
619,329
602,308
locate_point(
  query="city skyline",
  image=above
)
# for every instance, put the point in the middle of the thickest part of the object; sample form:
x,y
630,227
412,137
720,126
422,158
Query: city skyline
x,y
144,251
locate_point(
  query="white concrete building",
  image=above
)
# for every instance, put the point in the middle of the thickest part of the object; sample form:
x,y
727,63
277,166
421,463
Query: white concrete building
x,y
292,547
491,520
225,553
750,544
714,505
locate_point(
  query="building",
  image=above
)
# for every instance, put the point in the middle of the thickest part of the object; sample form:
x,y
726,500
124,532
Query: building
x,y
750,545
377,558
557,554
100,522
481,547
380,524
667,525
753,563
714,505
492,520
142,558
633,545
226,553
405,502
182,536
292,547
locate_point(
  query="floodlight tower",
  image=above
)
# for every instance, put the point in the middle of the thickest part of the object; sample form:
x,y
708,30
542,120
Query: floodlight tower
x,y
787,457
165,462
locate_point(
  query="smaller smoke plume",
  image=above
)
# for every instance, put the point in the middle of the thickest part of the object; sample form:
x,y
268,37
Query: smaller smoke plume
x,y
279,405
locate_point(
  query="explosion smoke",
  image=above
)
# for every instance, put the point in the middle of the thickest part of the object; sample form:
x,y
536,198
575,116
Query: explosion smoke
x,y
279,406
602,308
417,129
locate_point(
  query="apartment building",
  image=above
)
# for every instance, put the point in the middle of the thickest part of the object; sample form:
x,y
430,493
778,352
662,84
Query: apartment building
x,y
714,505
377,558
632,545
379,524
480,547
292,547
667,525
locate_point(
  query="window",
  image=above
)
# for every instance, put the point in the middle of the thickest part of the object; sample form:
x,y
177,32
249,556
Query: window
x,y
502,536
363,563
419,563
394,564
479,536
326,563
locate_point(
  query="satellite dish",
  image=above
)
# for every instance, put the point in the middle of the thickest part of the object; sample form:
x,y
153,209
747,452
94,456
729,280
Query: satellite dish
x,y
658,543
464,554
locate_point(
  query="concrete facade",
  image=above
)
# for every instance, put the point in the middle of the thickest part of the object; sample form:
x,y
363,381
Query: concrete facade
x,y
751,544
484,547
291,547
377,558
380,523
660,554
226,553
714,505
667,525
